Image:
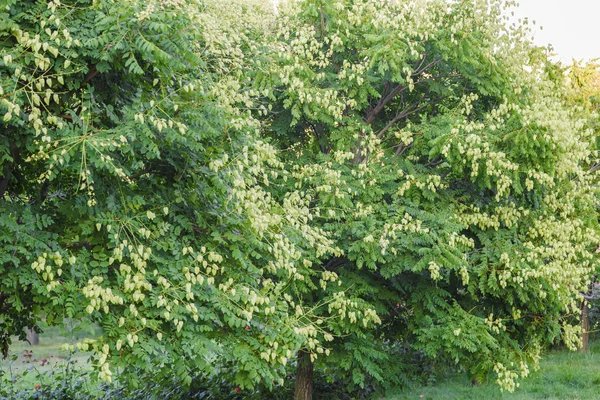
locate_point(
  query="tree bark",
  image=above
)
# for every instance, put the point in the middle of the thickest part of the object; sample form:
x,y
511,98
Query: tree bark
x,y
585,327
33,337
4,181
304,377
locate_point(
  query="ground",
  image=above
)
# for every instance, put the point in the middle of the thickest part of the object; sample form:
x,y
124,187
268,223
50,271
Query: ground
x,y
28,366
563,374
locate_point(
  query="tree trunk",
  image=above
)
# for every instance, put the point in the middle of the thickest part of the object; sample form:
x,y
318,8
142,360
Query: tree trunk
x,y
585,327
304,377
33,337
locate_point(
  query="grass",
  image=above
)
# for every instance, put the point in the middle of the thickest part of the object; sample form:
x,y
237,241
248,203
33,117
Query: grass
x,y
27,365
563,375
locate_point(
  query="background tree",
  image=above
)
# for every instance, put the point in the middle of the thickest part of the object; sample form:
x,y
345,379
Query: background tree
x,y
584,82
453,179
583,94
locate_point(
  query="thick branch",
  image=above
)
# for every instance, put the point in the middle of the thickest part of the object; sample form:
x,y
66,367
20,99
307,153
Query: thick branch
x,y
44,191
4,181
383,102
140,174
397,90
413,108
590,296
91,74
333,263
420,70
401,149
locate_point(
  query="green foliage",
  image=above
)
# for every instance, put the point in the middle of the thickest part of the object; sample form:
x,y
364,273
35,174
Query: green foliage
x,y
454,179
584,82
562,375
386,185
133,192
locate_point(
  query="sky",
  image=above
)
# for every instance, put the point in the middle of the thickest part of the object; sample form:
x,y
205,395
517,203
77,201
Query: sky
x,y
571,26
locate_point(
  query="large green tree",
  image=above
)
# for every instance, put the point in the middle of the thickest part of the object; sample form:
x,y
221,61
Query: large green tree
x,y
444,163
132,190
369,187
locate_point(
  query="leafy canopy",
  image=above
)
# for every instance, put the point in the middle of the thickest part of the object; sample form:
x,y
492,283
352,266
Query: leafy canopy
x,y
134,191
223,188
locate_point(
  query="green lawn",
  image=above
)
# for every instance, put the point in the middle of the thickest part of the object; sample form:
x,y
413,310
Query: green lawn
x,y
27,365
563,375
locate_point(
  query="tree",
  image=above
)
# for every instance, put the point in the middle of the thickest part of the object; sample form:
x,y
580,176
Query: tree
x,y
133,190
444,163
584,84
356,184
583,93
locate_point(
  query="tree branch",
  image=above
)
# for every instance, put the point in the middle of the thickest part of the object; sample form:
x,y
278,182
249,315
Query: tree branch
x,y
323,31
91,74
80,245
43,193
403,114
141,173
401,149
383,102
594,168
4,181
398,89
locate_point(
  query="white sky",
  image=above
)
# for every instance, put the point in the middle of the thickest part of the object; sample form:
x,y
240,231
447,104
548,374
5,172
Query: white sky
x,y
571,26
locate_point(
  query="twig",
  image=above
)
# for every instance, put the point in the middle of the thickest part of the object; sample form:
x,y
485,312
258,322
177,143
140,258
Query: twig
x,y
323,31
